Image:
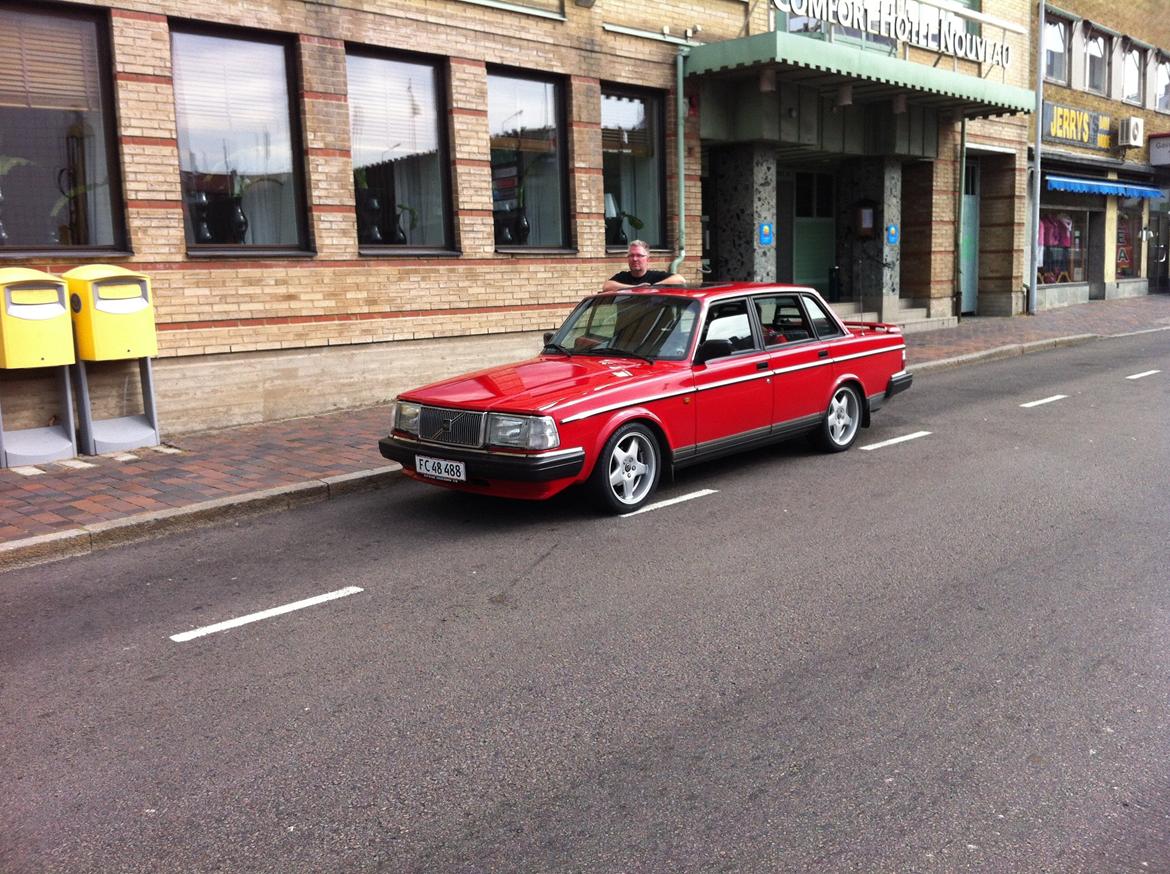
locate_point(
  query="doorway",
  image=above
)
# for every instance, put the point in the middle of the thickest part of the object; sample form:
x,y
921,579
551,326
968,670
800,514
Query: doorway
x,y
969,241
1159,252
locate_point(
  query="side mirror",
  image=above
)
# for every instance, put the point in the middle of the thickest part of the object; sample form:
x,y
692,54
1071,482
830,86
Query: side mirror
x,y
709,349
548,335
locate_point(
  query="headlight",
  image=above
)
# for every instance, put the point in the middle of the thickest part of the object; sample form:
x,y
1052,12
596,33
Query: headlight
x,y
522,432
404,417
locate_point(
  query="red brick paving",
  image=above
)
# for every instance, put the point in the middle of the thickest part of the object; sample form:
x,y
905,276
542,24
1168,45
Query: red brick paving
x,y
252,458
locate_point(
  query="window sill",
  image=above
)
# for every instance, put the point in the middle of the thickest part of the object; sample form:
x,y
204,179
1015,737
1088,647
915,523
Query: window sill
x,y
407,252
241,253
72,253
533,250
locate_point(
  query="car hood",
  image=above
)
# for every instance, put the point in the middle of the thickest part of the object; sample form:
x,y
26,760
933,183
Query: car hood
x,y
536,386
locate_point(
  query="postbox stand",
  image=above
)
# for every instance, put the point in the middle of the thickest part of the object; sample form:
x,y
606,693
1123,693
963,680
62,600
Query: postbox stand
x,y
29,446
99,436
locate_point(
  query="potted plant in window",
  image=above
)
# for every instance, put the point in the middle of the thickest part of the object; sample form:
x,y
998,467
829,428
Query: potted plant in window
x,y
369,209
399,231
615,218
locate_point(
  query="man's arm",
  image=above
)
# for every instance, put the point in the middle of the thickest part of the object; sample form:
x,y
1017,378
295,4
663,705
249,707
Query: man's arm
x,y
614,285
673,279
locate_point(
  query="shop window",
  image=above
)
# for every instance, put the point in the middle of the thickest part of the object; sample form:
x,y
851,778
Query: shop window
x,y
1097,52
59,185
1133,81
633,167
1064,234
239,157
399,152
1056,44
1163,83
1129,240
527,161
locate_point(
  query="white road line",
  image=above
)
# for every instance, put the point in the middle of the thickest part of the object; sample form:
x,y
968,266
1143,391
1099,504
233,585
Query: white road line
x,y
263,614
913,436
699,494
1143,373
1031,404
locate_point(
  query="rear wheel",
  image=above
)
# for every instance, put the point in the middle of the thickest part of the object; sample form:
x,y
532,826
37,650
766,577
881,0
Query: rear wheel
x,y
626,474
842,420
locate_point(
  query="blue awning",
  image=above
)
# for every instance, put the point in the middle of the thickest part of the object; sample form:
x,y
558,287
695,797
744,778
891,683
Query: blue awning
x,y
1102,186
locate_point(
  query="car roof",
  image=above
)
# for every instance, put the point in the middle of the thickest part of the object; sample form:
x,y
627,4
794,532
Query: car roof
x,y
713,292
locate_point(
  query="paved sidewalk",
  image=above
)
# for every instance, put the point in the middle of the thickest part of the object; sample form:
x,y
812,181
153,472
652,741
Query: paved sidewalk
x,y
60,509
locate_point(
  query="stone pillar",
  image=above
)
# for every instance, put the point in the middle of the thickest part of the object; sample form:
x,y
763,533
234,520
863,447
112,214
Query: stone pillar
x,y
891,252
745,179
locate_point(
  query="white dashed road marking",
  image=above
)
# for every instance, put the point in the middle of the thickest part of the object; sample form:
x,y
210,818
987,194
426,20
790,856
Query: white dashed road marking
x,y
913,436
658,506
264,614
1143,373
1031,404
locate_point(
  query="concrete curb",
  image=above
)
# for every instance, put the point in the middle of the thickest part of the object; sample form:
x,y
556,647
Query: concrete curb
x,y
1011,351
45,548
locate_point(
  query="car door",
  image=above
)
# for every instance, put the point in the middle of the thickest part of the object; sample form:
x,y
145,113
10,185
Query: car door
x,y
733,393
800,362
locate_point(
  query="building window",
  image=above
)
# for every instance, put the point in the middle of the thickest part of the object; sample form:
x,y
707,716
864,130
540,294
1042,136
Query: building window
x,y
1097,53
399,152
239,156
1056,32
1063,234
1163,80
59,185
1133,81
633,167
1129,239
527,160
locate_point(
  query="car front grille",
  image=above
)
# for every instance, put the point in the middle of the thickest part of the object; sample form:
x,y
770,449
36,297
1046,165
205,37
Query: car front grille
x,y
450,427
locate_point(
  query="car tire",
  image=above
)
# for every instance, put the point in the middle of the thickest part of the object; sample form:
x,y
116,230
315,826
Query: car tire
x,y
627,471
842,420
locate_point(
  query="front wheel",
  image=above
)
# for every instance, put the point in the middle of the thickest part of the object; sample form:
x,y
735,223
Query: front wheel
x,y
841,421
626,472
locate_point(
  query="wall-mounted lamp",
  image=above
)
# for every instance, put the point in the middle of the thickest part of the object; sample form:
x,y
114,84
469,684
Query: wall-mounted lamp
x,y
845,95
767,80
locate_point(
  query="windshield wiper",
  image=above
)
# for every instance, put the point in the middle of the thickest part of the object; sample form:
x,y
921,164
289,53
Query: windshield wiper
x,y
556,347
618,353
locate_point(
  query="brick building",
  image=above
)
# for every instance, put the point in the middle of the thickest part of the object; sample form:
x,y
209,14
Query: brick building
x,y
336,199
1103,230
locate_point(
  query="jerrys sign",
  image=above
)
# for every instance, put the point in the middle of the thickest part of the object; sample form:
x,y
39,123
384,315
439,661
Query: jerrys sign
x,y
919,24
1066,124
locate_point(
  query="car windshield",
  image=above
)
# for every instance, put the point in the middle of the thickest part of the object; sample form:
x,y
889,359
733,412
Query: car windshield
x,y
643,325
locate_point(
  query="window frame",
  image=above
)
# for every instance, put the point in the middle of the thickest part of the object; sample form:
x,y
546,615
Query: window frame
x,y
121,245
1106,61
443,114
1066,31
559,83
660,146
304,247
1162,77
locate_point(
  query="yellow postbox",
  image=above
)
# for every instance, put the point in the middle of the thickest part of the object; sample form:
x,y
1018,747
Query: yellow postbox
x,y
34,320
113,313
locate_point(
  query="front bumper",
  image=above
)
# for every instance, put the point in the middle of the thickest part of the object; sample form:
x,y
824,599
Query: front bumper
x,y
486,465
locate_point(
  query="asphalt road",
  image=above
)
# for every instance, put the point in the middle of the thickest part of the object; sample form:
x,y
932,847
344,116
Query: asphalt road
x,y
950,653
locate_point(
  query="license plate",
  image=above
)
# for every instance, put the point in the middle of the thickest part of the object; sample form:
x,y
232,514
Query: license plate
x,y
438,468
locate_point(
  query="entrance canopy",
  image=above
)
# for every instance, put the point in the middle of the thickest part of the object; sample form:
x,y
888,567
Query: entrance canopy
x,y
814,63
1102,186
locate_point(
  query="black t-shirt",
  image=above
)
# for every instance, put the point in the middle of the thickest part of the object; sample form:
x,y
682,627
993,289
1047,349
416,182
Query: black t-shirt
x,y
653,277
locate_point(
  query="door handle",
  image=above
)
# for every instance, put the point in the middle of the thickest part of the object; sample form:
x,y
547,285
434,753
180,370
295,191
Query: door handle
x,y
761,365
824,353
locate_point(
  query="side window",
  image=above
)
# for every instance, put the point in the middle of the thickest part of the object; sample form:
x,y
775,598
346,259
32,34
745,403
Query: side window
x,y
729,321
782,319
824,324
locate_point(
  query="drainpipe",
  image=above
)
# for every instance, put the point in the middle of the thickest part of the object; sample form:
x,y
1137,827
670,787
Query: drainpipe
x,y
1034,235
680,114
959,219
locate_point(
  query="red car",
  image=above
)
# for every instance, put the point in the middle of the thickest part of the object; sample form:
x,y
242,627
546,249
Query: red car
x,y
646,380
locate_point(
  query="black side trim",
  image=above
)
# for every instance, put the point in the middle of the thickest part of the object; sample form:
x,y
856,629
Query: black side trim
x,y
480,465
747,440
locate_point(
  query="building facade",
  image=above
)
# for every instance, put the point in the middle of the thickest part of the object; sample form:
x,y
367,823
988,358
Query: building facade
x,y
337,199
1103,229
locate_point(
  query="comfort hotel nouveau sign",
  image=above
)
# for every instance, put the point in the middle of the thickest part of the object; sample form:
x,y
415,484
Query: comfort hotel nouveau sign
x,y
1078,127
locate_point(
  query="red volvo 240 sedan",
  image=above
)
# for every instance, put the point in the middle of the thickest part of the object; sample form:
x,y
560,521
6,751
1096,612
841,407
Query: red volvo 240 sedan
x,y
647,379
